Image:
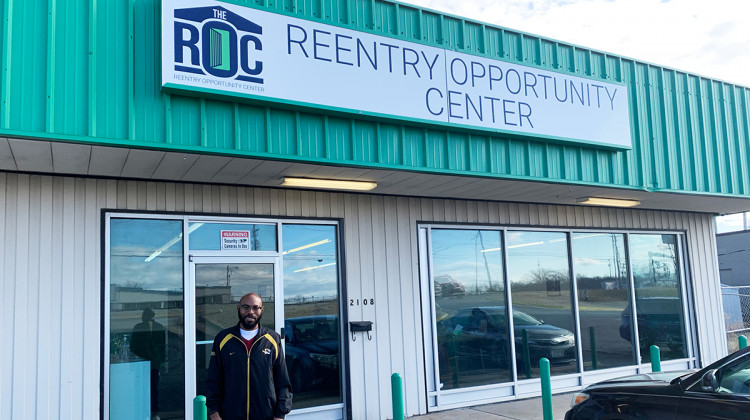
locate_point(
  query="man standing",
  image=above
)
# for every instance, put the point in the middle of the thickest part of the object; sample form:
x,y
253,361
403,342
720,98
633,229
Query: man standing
x,y
247,377
149,343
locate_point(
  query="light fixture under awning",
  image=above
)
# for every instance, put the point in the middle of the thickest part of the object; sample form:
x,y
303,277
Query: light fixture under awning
x,y
331,184
613,202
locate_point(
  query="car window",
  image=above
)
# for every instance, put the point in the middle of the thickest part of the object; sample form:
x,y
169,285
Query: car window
x,y
521,318
735,379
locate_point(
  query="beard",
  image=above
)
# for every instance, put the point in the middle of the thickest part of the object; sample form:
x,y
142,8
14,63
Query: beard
x,y
249,321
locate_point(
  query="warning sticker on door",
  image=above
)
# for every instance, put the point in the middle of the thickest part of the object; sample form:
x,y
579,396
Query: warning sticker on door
x,y
235,240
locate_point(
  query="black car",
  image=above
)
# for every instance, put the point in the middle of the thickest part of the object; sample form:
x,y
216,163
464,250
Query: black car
x,y
718,391
659,323
312,351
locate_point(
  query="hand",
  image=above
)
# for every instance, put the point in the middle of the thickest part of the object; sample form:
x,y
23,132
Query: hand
x,y
215,416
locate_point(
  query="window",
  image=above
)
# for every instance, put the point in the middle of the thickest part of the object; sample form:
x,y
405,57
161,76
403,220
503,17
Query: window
x,y
658,297
469,290
470,323
603,300
539,274
311,314
146,330
735,379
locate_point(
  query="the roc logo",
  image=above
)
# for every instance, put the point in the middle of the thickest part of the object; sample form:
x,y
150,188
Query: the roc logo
x,y
216,41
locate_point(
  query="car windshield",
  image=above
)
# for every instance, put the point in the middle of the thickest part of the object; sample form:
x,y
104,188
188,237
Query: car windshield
x,y
316,330
520,318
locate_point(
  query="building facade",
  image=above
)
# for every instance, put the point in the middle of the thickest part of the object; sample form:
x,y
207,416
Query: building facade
x,y
147,157
733,251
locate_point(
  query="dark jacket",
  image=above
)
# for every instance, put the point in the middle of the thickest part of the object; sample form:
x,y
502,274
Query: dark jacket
x,y
266,394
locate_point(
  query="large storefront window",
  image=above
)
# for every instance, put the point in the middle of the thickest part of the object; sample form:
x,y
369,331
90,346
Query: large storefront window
x,y
539,274
146,339
311,314
658,297
603,297
472,326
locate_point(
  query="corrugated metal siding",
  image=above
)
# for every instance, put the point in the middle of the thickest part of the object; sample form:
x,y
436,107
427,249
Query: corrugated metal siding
x,y
51,280
89,70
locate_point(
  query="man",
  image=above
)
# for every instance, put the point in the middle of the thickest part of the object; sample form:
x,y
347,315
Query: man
x,y
247,377
149,343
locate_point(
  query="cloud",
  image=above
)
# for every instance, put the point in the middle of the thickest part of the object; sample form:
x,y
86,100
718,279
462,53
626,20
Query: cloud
x,y
689,35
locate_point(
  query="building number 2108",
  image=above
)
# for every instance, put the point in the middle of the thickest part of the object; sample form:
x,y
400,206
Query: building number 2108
x,y
355,302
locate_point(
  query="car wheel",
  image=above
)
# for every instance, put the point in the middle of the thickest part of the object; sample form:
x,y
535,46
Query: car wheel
x,y
645,341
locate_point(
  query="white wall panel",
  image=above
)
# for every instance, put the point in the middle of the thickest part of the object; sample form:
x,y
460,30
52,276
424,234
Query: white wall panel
x,y
51,281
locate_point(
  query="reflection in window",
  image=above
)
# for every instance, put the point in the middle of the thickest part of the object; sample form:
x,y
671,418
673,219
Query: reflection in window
x,y
237,236
540,287
311,308
146,319
603,294
657,294
469,293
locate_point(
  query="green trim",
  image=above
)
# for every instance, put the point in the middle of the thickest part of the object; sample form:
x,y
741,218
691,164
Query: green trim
x,y
7,38
347,112
675,146
51,71
131,70
168,119
92,97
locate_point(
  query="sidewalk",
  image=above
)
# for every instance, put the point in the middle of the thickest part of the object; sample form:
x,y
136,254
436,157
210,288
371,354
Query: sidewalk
x,y
527,409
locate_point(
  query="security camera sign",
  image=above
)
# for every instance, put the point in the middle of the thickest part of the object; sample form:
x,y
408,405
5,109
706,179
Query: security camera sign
x,y
235,240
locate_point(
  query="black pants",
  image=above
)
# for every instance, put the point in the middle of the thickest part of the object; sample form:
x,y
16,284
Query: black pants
x,y
154,391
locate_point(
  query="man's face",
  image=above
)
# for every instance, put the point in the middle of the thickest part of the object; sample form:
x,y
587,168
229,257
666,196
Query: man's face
x,y
249,312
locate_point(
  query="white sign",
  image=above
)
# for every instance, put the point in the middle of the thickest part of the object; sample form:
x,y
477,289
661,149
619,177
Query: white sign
x,y
235,240
229,49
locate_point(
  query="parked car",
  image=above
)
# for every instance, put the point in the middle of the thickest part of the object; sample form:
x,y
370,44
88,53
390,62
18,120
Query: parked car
x,y
478,336
447,286
718,391
312,351
659,323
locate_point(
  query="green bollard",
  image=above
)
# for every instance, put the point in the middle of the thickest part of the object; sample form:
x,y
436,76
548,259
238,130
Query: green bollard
x,y
200,412
525,350
743,341
546,388
594,358
397,391
655,359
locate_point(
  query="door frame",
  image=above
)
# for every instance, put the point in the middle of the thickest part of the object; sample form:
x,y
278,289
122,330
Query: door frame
x,y
190,307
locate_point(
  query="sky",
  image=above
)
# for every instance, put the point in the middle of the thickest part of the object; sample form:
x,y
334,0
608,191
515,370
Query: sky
x,y
708,38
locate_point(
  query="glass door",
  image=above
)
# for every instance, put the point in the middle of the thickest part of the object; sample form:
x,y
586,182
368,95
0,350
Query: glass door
x,y
218,284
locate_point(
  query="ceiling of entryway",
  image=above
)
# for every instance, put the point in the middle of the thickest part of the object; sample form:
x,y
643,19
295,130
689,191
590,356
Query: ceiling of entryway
x,y
39,156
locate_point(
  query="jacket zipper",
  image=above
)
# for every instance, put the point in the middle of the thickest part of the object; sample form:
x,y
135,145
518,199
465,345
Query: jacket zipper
x,y
257,337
